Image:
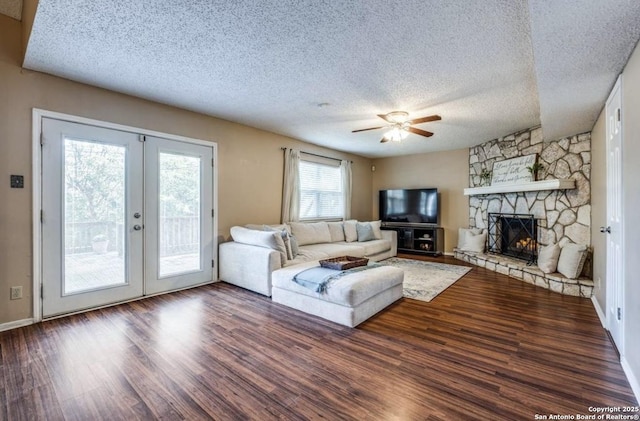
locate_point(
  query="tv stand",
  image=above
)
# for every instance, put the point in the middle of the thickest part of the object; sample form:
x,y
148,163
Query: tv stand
x,y
419,239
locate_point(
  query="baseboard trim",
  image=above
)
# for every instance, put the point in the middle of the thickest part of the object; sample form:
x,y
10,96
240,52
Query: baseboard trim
x,y
633,380
15,324
599,312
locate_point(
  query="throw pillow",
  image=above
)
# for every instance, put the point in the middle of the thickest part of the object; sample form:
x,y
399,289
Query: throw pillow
x,y
311,233
268,239
548,258
376,229
571,261
294,247
336,230
365,232
350,232
462,235
285,237
475,242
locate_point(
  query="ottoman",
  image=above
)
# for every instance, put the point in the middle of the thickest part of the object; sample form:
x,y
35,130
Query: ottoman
x,y
349,300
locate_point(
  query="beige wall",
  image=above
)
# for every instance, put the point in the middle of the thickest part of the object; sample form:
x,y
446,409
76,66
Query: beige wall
x,y
631,204
250,162
599,208
448,171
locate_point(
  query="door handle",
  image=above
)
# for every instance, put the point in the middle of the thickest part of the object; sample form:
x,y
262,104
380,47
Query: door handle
x,y
137,227
607,230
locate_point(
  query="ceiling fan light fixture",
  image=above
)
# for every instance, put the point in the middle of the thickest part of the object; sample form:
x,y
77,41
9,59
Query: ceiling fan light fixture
x,y
396,134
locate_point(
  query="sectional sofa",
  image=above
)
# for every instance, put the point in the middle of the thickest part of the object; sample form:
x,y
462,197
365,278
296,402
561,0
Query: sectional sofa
x,y
258,250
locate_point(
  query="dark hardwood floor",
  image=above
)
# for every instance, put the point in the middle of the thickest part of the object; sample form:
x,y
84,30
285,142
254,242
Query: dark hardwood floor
x,y
488,348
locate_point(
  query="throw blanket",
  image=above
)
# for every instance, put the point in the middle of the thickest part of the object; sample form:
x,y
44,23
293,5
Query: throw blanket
x,y
318,278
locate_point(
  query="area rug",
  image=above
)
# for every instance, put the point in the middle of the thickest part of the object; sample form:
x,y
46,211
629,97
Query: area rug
x,y
425,280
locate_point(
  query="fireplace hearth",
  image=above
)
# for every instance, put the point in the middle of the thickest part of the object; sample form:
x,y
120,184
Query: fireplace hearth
x,y
514,235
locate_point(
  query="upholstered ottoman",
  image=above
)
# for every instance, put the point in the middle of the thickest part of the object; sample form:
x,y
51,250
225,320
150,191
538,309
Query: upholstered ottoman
x,y
349,300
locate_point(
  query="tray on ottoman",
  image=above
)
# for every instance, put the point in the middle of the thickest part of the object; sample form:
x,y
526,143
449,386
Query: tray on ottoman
x,y
343,262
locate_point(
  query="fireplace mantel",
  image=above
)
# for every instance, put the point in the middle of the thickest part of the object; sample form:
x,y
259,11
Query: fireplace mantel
x,y
557,184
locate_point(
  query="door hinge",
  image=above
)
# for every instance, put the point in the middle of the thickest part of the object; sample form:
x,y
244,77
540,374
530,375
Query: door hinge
x,y
41,291
41,215
619,111
213,263
41,139
619,313
213,213
142,138
212,162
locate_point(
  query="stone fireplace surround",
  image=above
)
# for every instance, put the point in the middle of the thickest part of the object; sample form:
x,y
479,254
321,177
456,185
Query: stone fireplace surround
x,y
563,215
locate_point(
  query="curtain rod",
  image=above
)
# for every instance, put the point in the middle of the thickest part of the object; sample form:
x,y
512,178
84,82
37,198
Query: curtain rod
x,y
315,154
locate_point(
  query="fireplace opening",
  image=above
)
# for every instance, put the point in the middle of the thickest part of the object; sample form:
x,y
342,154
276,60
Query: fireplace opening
x,y
514,235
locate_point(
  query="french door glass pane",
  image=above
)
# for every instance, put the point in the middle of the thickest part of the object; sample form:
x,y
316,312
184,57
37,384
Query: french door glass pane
x,y
94,215
179,211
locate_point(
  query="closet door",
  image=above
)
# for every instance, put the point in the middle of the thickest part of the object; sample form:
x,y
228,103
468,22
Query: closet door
x,y
92,242
178,215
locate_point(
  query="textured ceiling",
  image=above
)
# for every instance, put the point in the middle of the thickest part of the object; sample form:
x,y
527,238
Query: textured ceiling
x,y
11,8
488,67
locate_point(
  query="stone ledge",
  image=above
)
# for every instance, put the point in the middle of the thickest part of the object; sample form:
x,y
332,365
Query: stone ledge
x,y
581,287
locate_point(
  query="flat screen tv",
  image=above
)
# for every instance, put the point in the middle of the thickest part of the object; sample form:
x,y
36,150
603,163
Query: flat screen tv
x,y
413,206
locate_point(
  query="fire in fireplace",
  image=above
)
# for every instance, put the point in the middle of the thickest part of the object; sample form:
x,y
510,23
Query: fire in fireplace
x,y
514,235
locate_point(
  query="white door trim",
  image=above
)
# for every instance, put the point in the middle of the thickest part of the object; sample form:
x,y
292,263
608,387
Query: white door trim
x,y
36,176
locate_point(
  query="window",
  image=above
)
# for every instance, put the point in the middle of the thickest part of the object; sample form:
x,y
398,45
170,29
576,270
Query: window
x,y
321,195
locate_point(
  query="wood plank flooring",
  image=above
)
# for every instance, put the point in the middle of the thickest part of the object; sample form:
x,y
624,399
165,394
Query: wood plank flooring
x,y
487,348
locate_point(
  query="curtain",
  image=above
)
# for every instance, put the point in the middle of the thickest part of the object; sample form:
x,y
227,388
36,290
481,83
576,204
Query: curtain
x,y
291,187
345,169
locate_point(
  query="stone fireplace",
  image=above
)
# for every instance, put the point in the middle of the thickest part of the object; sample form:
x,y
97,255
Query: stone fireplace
x,y
559,214
513,235
563,215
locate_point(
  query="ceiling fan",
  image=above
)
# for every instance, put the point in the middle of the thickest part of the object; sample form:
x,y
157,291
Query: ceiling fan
x,y
400,126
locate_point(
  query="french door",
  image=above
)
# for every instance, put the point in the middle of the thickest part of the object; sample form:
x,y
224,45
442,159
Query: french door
x,y
122,216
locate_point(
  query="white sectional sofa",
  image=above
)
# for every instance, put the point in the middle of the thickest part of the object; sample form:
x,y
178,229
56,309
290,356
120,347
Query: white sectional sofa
x,y
258,250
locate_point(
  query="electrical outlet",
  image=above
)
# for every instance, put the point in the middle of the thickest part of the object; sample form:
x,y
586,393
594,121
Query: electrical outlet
x,y
16,293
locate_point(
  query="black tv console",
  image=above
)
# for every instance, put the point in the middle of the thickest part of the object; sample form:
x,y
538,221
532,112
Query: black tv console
x,y
419,239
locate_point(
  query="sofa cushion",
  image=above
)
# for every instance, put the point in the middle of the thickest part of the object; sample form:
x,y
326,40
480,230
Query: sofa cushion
x,y
375,246
307,256
365,232
571,261
350,290
311,233
262,227
266,239
336,249
350,232
336,230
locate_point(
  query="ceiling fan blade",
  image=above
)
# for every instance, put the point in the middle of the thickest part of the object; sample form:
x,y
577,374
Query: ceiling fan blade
x,y
384,117
384,140
370,128
425,119
420,132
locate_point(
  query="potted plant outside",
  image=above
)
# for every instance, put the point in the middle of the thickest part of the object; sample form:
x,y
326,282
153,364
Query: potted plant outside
x,y
100,244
